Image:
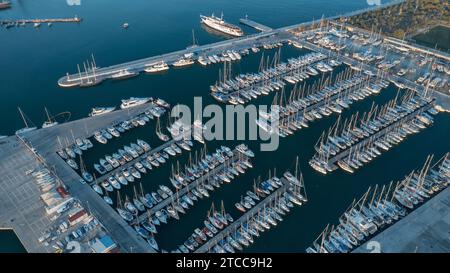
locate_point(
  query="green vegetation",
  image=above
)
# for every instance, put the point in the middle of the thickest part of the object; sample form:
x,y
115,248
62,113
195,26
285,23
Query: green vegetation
x,y
405,19
438,37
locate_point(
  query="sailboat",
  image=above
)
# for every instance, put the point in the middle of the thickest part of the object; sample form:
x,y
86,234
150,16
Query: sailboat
x,y
194,41
107,199
97,188
293,178
84,173
159,133
49,122
27,128
123,213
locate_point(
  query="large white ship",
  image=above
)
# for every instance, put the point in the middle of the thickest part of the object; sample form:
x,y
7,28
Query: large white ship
x,y
220,25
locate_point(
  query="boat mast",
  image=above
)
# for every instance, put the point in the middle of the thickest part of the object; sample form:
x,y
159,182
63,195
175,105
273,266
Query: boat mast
x,y
23,117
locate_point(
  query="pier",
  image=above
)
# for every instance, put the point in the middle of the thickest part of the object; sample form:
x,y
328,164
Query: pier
x,y
253,24
164,203
244,218
266,37
75,19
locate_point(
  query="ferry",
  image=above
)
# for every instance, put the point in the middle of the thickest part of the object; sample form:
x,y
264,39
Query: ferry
x,y
131,102
97,111
220,25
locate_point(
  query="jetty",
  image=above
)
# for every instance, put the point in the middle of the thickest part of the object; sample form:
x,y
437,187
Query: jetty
x,y
16,22
273,36
255,25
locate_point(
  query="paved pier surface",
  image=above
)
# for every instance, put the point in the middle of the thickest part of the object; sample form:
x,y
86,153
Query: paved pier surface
x,y
120,231
255,25
425,230
236,155
21,208
247,215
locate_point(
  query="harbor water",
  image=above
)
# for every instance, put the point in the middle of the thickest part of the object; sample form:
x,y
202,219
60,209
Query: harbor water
x,y
34,58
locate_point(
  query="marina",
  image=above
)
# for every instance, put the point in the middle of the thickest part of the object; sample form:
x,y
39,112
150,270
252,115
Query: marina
x,y
217,172
359,145
380,208
305,106
246,228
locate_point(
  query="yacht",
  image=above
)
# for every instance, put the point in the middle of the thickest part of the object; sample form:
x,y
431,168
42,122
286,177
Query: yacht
x,y
183,62
131,102
97,111
160,66
123,74
220,25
